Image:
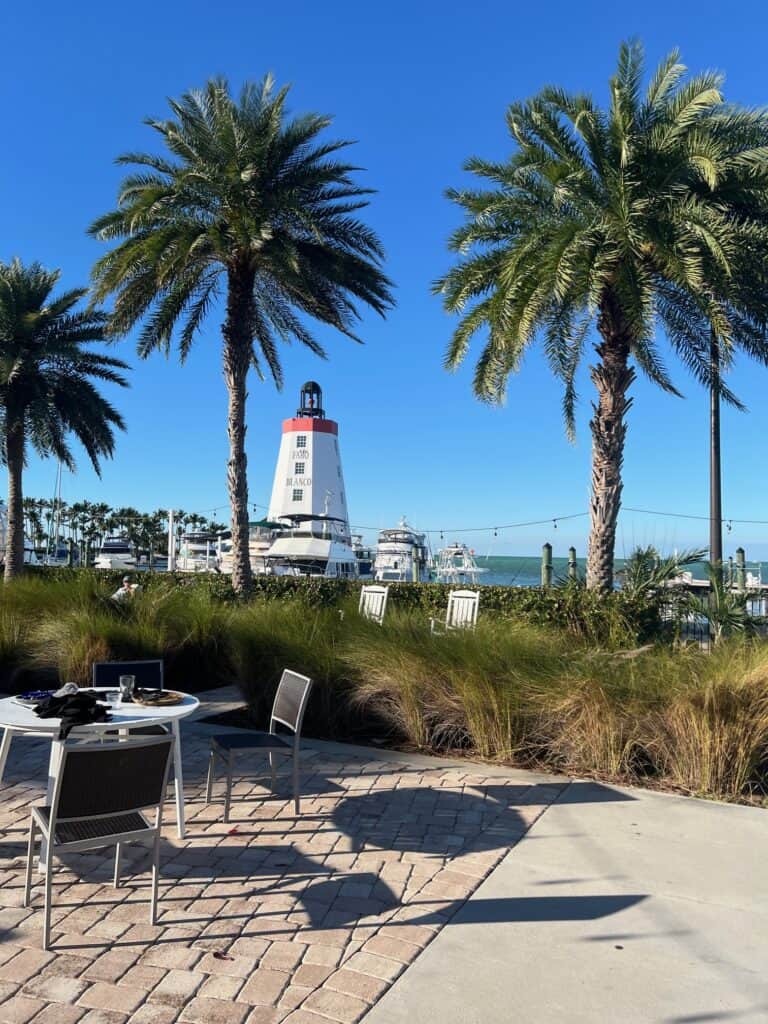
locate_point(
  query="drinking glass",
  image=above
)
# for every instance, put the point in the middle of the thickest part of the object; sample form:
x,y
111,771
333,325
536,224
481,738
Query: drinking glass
x,y
127,686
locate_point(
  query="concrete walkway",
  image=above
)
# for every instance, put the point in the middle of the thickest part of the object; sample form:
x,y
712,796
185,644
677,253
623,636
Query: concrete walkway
x,y
617,906
410,890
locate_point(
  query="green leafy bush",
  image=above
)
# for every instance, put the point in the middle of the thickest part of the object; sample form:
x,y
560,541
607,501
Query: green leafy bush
x,y
616,620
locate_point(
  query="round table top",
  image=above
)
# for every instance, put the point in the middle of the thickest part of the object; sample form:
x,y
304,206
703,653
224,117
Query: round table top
x,y
18,717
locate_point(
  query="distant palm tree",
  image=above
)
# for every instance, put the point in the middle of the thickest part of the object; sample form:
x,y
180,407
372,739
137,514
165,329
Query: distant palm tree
x,y
46,383
250,207
651,212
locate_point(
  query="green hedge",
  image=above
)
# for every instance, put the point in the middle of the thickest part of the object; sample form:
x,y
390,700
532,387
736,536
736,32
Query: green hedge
x,y
616,619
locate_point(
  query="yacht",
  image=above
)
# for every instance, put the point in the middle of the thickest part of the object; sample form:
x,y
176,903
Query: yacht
x,y
115,553
58,554
402,555
456,564
260,537
261,534
312,545
364,556
199,552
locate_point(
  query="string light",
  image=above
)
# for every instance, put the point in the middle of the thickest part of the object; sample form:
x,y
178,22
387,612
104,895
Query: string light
x,y
554,520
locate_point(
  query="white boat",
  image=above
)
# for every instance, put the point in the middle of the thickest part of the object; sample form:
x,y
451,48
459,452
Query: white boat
x,y
115,553
58,554
364,556
199,552
402,555
456,564
312,545
261,534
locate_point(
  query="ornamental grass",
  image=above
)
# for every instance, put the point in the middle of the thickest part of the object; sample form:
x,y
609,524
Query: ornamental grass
x,y
525,693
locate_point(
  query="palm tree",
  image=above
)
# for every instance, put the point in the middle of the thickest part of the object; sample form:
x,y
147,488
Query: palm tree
x,y
46,383
247,206
646,572
725,609
653,212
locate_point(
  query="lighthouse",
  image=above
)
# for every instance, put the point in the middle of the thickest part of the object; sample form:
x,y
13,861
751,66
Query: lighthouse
x,y
308,494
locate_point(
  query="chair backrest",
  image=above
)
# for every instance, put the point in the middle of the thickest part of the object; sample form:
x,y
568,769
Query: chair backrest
x,y
462,609
148,672
290,701
373,603
97,780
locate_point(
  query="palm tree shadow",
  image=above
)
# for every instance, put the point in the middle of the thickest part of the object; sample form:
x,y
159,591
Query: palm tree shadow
x,y
477,819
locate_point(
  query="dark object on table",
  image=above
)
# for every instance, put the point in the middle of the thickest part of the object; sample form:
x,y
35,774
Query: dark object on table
x,y
104,794
287,710
75,709
148,672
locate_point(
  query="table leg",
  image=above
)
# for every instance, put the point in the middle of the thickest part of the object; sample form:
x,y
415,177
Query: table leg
x,y
5,746
178,778
53,770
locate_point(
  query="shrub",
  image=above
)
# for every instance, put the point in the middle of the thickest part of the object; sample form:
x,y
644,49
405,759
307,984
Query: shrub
x,y
614,620
532,685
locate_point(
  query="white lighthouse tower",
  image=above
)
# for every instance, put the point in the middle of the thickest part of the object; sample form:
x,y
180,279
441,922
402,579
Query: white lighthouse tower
x,y
308,495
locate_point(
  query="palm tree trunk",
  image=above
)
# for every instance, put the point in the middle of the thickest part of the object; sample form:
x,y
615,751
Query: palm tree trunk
x,y
14,548
237,357
612,378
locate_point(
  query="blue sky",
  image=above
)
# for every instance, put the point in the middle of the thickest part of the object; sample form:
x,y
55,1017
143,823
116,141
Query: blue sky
x,y
422,86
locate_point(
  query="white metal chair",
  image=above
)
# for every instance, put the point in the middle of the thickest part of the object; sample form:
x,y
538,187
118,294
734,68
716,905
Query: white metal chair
x,y
99,795
463,606
5,744
373,603
287,710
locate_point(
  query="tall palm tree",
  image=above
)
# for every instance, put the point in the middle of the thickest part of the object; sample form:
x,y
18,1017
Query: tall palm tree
x,y
47,390
652,212
250,207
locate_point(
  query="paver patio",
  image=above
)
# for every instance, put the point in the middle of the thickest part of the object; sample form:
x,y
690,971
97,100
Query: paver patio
x,y
270,918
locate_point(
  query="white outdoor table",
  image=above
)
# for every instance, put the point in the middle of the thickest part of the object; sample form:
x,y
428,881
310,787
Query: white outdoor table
x,y
18,720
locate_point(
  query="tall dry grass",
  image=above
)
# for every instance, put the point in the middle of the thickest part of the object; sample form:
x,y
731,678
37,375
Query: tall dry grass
x,y
523,694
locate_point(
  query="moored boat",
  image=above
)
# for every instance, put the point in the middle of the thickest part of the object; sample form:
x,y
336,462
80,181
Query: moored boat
x,y
199,552
115,553
402,555
456,564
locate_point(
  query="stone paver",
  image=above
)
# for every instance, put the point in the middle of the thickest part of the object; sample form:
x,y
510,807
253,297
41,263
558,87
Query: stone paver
x,y
267,919
121,998
19,1009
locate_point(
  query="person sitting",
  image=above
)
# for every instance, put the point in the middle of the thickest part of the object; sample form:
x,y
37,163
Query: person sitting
x,y
126,590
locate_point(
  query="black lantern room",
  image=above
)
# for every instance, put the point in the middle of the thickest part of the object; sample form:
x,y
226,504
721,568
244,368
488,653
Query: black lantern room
x,y
311,401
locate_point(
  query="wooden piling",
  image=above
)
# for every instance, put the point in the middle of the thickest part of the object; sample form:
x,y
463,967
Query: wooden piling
x,y
573,569
741,569
546,565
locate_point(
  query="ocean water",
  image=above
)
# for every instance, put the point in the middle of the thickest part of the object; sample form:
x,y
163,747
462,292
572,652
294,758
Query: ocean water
x,y
525,570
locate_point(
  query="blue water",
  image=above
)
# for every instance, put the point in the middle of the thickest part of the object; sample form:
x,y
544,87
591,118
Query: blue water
x,y
525,570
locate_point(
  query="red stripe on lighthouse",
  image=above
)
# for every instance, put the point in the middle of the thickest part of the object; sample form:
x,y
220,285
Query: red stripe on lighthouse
x,y
311,426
